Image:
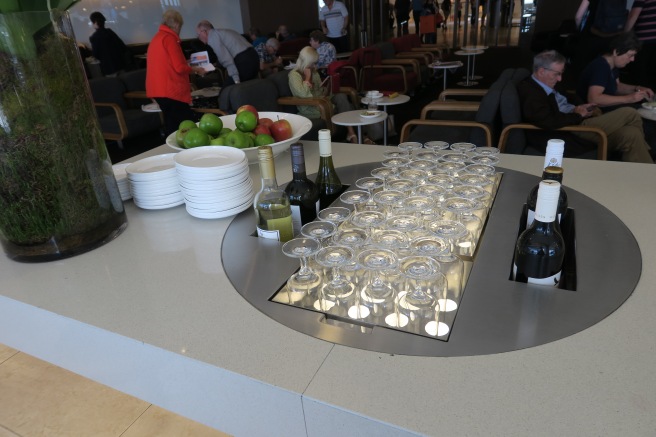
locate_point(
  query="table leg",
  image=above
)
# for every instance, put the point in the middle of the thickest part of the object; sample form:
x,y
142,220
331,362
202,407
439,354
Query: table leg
x,y
473,67
359,134
444,72
385,131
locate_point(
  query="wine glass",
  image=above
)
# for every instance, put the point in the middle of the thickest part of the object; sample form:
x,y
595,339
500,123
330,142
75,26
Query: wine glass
x,y
419,205
357,198
388,199
428,245
403,185
436,192
454,156
423,285
410,146
334,214
301,282
423,164
396,154
480,169
462,210
352,237
426,155
338,287
377,295
383,173
371,185
390,239
443,180
451,168
367,220
320,230
455,233
403,223
484,159
486,151
418,177
395,163
476,180
436,146
463,147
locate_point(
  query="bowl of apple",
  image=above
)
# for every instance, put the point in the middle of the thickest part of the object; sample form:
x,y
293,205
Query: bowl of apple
x,y
246,130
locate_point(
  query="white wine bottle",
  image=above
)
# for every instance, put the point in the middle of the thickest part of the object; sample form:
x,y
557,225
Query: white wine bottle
x,y
330,187
552,174
540,249
303,193
272,208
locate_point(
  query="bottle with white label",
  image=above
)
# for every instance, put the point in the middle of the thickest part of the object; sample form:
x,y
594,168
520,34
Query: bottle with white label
x,y
330,187
272,209
553,174
303,193
540,249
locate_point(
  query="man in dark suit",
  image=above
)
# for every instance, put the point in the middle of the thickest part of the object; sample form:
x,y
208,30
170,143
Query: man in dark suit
x,y
543,106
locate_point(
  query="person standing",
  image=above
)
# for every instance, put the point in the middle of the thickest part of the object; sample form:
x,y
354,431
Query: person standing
x,y
167,73
333,17
642,21
107,47
446,8
402,11
417,9
234,52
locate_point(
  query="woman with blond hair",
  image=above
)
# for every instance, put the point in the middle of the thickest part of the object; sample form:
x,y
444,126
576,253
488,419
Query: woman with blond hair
x,y
167,73
305,82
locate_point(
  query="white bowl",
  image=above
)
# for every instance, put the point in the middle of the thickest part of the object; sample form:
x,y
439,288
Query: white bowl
x,y
300,126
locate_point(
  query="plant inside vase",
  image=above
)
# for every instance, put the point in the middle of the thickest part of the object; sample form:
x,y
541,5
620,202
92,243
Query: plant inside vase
x,y
58,195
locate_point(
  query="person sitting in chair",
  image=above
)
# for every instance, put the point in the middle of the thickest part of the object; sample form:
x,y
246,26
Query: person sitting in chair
x,y
543,106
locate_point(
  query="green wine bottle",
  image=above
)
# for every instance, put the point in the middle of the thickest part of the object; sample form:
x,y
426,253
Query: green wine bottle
x,y
330,187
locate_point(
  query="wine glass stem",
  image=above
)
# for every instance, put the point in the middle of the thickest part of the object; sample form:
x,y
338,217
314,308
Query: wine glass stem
x,y
304,270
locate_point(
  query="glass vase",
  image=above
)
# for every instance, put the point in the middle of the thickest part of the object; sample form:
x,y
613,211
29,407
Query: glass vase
x,y
58,194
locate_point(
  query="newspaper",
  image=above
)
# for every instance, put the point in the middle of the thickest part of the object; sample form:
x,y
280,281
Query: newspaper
x,y
201,59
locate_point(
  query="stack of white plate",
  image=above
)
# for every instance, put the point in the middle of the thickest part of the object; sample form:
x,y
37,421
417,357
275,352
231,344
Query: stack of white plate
x,y
214,181
154,182
122,181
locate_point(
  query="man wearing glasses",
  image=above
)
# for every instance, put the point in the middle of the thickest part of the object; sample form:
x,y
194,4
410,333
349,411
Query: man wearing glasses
x,y
545,107
235,54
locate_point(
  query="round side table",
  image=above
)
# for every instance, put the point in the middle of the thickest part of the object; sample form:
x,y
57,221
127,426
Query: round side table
x,y
387,101
353,118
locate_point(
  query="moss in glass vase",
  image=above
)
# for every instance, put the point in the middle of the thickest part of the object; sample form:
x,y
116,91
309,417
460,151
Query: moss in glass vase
x,y
58,195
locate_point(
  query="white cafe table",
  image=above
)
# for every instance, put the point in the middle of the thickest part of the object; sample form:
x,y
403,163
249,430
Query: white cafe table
x,y
387,101
469,78
153,314
446,66
354,118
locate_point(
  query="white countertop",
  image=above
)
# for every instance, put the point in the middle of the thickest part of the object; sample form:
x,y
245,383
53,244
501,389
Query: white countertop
x,y
153,314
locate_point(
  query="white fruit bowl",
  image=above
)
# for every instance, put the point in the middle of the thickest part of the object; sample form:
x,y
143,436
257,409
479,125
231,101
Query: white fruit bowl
x,y
300,126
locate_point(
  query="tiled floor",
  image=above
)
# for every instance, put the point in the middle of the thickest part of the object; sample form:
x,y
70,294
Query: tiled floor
x,y
39,399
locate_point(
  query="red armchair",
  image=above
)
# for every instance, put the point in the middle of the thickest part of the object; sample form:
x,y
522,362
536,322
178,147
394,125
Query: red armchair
x,y
374,75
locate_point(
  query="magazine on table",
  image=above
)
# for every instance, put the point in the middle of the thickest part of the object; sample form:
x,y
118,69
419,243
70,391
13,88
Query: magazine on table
x,y
201,59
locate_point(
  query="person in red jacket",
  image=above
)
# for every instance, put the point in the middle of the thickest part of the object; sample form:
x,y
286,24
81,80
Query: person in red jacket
x,y
167,73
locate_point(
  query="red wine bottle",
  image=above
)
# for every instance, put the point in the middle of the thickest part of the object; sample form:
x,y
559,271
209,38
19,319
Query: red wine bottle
x,y
540,249
303,193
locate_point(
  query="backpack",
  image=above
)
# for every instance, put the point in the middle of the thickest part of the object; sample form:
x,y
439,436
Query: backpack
x,y
609,17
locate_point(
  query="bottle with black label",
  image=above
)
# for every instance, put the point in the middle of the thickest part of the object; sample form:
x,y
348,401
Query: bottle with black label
x,y
303,193
551,174
540,249
327,180
274,214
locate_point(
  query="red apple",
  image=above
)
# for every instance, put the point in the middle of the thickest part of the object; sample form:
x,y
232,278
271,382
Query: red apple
x,y
250,108
261,129
265,121
281,130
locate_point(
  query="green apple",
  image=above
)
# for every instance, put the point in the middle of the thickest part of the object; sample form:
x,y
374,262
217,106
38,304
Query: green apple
x,y
237,139
225,131
246,121
211,124
219,141
186,125
264,140
196,137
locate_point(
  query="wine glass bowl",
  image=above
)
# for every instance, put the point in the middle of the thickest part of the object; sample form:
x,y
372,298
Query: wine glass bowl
x,y
410,146
320,230
334,214
305,279
463,147
332,258
436,146
357,198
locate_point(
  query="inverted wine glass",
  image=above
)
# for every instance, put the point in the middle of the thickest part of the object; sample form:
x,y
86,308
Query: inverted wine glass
x,y
410,146
426,155
463,147
451,168
443,180
423,285
357,198
422,164
367,220
377,294
320,230
455,233
334,214
395,163
336,287
303,281
396,154
403,185
436,192
454,156
351,237
404,223
389,199
420,206
486,151
383,173
436,146
370,184
418,177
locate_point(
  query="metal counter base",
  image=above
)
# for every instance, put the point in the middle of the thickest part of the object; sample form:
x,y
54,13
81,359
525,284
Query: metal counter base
x,y
496,314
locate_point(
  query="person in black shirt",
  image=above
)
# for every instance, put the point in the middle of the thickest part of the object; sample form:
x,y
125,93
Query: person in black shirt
x,y
107,47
